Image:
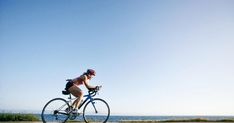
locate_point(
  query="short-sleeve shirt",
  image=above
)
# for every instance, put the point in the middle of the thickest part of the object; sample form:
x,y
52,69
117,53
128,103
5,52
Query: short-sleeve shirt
x,y
80,80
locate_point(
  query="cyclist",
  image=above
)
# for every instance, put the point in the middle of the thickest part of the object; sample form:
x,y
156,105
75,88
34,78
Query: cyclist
x,y
72,86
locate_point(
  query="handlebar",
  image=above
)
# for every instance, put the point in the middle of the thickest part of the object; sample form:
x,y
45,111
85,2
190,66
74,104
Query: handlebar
x,y
93,92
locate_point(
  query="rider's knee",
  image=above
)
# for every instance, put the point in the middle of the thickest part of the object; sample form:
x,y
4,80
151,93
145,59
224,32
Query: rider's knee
x,y
81,93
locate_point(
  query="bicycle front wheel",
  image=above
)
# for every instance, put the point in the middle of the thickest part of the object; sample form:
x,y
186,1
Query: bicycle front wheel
x,y
96,110
55,111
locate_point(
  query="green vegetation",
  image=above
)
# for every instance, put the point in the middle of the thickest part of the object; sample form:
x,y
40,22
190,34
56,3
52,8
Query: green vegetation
x,y
226,120
18,117
188,120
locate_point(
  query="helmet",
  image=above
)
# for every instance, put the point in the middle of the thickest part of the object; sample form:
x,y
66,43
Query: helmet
x,y
91,72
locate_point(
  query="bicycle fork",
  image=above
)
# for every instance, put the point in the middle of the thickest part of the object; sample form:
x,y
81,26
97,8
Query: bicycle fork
x,y
93,104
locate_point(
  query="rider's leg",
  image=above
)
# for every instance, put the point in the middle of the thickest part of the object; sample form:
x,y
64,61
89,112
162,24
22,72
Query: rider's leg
x,y
77,92
78,101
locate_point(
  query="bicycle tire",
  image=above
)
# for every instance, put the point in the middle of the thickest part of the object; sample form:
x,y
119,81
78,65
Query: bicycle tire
x,y
102,114
54,111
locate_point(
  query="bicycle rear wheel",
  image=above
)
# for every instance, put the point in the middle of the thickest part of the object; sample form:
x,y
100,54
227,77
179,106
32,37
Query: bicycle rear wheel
x,y
96,110
55,111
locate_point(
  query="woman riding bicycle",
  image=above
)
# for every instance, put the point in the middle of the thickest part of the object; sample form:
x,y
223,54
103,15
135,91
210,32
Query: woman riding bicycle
x,y
72,86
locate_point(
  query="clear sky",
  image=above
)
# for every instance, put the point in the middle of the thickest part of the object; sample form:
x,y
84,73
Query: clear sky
x,y
152,57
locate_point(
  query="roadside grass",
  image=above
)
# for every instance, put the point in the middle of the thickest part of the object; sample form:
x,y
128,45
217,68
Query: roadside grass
x,y
18,117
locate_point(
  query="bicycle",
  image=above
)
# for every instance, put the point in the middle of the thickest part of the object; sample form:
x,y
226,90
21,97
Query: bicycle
x,y
60,110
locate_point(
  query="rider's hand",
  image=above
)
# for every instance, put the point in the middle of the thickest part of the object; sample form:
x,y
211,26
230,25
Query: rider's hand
x,y
98,88
95,88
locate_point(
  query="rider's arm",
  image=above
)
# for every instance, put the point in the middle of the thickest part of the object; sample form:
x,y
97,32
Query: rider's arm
x,y
86,83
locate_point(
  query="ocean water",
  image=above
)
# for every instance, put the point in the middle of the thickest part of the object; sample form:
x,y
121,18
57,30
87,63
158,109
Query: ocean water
x,y
157,118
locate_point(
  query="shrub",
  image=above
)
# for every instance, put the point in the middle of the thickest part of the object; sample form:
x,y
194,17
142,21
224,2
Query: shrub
x,y
18,117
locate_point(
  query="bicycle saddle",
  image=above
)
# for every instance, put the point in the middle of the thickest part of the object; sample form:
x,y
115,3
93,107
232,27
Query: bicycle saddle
x,y
65,92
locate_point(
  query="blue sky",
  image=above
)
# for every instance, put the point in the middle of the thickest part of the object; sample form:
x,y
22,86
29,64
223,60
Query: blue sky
x,y
152,57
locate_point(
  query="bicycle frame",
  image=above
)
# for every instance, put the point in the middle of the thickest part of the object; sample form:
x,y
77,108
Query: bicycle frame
x,y
88,97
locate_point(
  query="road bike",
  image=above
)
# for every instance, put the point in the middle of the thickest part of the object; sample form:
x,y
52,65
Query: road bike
x,y
59,110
